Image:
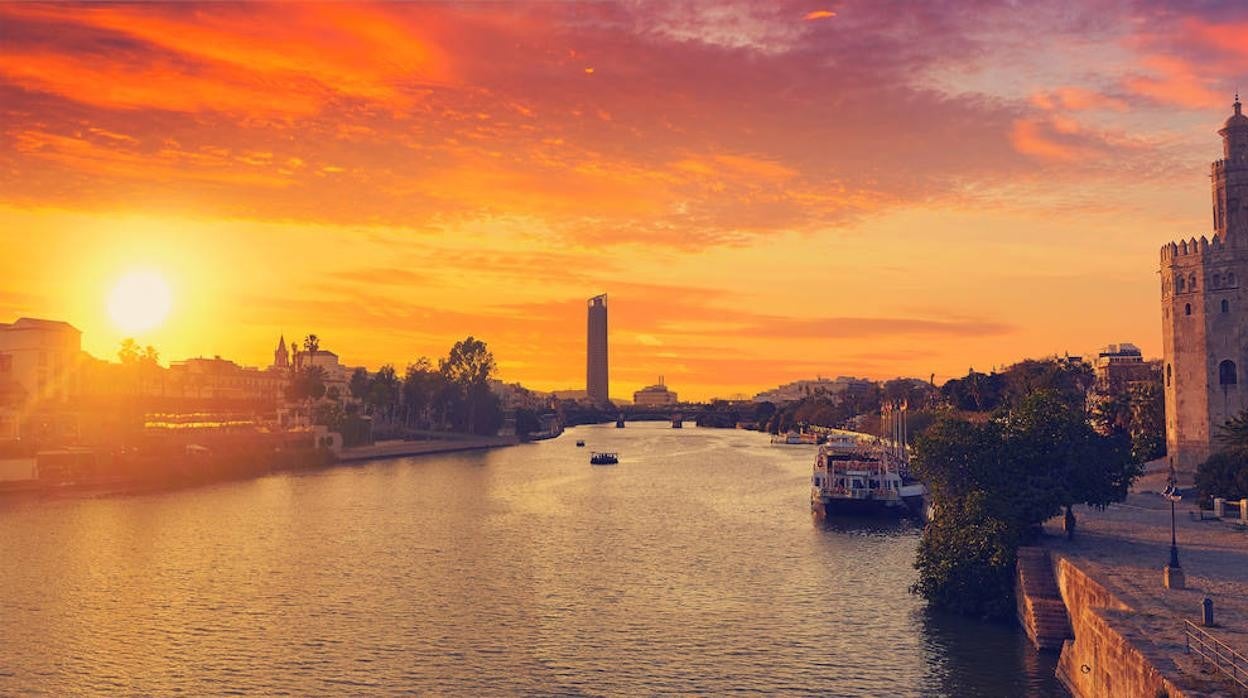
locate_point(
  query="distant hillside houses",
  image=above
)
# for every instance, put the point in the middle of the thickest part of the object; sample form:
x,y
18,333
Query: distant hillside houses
x,y
837,388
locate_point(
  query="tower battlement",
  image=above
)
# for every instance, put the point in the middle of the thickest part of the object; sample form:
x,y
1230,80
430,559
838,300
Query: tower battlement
x,y
1187,251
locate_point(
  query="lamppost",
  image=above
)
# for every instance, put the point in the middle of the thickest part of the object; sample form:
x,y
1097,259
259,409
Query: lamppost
x,y
1173,574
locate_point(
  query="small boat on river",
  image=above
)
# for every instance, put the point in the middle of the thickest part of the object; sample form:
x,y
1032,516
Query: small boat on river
x,y
580,443
603,458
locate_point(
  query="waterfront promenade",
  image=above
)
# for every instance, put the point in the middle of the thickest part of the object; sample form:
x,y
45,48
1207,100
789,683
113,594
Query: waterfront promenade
x,y
399,448
1124,548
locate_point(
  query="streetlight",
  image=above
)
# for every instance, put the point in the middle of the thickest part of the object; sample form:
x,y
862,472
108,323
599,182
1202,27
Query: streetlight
x,y
1173,576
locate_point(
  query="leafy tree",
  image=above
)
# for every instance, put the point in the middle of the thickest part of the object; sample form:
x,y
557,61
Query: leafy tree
x,y
469,363
1233,434
420,386
468,369
1148,422
966,560
1224,474
527,422
1001,479
383,392
307,383
358,384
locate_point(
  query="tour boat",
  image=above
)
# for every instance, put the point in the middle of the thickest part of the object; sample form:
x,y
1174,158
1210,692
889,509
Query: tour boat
x,y
853,477
580,443
619,422
794,438
603,458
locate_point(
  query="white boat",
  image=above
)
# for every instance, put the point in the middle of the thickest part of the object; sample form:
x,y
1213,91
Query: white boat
x,y
794,438
855,477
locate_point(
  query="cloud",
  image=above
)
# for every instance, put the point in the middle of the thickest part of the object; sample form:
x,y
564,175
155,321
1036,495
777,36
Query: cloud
x,y
818,15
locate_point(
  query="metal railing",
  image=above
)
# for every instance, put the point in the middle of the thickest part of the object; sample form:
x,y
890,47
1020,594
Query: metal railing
x,y
1217,653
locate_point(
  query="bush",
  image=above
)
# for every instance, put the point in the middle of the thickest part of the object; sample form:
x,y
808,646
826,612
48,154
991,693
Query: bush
x,y
966,561
1224,475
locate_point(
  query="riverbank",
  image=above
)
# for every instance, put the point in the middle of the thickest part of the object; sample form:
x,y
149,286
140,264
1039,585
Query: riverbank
x,y
402,448
1129,629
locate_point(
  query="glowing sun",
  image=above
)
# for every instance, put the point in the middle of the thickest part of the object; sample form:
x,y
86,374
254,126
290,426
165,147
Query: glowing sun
x,y
140,301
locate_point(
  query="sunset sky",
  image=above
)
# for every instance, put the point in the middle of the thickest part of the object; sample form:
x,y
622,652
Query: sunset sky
x,y
767,191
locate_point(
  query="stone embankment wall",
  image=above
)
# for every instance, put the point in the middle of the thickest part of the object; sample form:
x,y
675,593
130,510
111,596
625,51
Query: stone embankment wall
x,y
1108,656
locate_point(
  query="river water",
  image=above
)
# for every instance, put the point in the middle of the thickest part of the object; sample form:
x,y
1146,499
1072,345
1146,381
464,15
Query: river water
x,y
693,566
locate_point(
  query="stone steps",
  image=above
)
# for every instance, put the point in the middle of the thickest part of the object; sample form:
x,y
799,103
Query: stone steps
x,y
1041,610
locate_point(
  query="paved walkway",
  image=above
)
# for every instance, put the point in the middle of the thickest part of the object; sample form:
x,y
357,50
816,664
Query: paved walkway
x,y
396,449
1125,547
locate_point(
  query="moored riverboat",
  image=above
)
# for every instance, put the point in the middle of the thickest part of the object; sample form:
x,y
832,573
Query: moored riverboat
x,y
856,478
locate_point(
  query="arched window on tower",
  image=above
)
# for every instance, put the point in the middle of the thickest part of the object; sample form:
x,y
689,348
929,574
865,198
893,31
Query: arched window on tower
x,y
1230,278
1178,284
1191,282
1226,305
1187,308
1226,373
1168,372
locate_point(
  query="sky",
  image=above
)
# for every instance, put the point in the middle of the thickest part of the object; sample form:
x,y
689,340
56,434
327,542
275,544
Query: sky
x,y
766,191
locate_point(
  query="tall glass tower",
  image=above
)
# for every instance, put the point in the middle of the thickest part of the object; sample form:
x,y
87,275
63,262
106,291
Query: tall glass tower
x,y
596,351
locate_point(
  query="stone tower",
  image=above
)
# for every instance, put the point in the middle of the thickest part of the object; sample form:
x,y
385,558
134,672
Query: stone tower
x,y
1204,306
596,385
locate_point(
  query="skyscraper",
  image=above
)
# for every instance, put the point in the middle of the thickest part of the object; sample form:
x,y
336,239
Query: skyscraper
x,y
596,351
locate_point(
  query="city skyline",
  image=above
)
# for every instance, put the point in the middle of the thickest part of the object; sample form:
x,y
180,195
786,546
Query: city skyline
x,y
791,209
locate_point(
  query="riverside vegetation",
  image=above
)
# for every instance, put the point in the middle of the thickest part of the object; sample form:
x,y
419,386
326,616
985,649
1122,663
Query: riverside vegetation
x,y
994,482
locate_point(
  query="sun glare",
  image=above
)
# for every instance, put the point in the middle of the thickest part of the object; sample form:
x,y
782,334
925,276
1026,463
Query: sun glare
x,y
139,301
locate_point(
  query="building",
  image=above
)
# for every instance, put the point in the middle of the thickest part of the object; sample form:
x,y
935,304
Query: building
x,y
281,357
1204,306
596,383
221,379
39,368
1118,366
841,388
652,395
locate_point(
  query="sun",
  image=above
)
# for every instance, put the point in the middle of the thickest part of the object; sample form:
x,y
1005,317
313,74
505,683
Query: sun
x,y
139,301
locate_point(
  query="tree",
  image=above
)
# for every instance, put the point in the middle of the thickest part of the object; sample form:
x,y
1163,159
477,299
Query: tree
x,y
1148,421
419,387
307,383
1002,479
1224,474
383,393
311,345
966,560
468,368
469,363
358,384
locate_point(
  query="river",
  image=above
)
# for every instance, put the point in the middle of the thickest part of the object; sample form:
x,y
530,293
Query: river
x,y
693,566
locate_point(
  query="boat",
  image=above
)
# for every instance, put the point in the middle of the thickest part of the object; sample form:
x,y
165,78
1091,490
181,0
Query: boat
x,y
580,443
678,422
856,477
794,438
603,458
619,422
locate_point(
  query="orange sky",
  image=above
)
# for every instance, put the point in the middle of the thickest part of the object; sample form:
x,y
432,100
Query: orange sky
x,y
766,191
